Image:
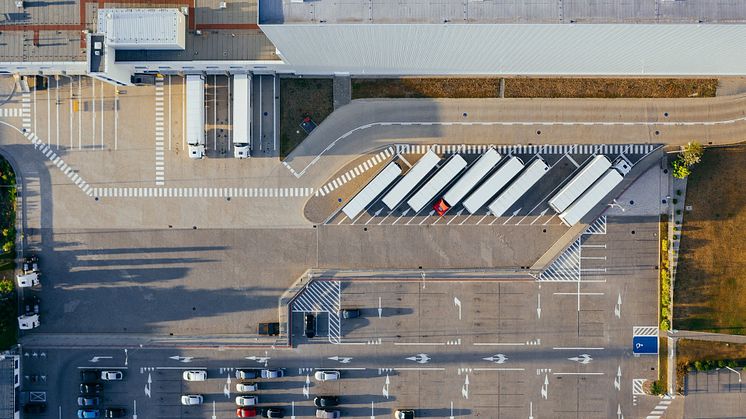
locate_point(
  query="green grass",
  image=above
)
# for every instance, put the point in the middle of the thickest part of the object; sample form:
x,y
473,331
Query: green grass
x,y
299,98
710,285
8,302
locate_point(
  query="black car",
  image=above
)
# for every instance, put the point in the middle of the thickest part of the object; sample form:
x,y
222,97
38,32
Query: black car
x,y
350,313
310,325
273,412
247,374
91,388
89,376
326,401
114,412
35,408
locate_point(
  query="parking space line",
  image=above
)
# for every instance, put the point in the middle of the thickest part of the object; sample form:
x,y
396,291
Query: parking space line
x,y
578,373
499,343
499,369
419,343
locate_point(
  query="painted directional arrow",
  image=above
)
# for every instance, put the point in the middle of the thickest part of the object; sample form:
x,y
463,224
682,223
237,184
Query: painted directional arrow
x,y
497,358
213,410
538,307
306,386
372,411
531,410
618,379
258,359
619,412
583,359
134,409
420,358
457,303
545,387
618,307
97,358
227,387
451,417
184,359
341,359
465,388
147,386
380,309
386,387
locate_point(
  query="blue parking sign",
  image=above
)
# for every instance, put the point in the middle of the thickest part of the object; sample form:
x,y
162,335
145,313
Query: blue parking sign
x,y
645,345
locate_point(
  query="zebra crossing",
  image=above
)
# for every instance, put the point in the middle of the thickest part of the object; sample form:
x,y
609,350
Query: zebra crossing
x,y
567,267
186,192
26,111
318,297
11,112
547,149
160,165
59,162
353,173
660,409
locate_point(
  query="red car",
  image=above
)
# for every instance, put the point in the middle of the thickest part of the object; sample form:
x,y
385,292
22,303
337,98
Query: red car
x,y
245,412
441,207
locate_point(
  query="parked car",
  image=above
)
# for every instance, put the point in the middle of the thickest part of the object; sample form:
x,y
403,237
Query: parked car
x,y
115,412
328,413
88,413
247,400
350,313
35,408
91,388
32,305
195,375
191,399
112,375
276,373
30,264
88,401
326,401
327,375
247,374
269,329
404,414
310,325
246,387
245,412
89,376
273,412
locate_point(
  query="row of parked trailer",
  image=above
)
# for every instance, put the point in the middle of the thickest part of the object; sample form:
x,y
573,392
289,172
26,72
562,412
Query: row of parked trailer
x,y
195,115
476,187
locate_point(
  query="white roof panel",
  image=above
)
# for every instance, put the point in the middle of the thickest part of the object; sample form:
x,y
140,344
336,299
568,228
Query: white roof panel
x,y
143,28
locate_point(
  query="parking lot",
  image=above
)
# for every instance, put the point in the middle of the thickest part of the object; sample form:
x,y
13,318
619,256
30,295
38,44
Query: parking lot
x,y
532,209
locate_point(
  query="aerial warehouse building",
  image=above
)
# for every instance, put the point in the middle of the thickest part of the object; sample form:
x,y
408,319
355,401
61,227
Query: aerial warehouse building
x,y
369,193
468,181
590,198
579,183
519,187
195,114
424,165
440,180
502,176
242,116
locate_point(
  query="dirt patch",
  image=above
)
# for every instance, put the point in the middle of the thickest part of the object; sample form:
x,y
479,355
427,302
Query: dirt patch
x,y
710,284
426,88
301,98
609,88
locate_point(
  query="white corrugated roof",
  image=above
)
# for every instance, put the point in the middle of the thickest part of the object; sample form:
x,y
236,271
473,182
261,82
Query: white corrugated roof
x,y
143,28
508,49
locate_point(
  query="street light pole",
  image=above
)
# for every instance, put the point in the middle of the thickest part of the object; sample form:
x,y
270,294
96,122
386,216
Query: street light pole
x,y
739,374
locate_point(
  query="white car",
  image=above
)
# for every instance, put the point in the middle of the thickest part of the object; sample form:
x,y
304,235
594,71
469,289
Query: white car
x,y
195,375
246,387
111,375
191,399
247,400
326,375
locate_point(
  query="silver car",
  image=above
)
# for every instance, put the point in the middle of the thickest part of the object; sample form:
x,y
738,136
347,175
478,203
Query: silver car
x,y
191,399
328,413
326,375
272,373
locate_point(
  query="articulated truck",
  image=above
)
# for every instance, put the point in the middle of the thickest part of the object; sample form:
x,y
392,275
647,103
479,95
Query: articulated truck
x,y
195,115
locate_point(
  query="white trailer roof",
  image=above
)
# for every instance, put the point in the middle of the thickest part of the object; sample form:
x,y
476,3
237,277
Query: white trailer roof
x,y
493,184
372,190
418,172
591,198
469,180
163,29
579,183
436,183
519,187
195,97
241,109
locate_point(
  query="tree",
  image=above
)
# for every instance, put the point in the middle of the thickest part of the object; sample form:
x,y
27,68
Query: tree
x,y
6,286
691,153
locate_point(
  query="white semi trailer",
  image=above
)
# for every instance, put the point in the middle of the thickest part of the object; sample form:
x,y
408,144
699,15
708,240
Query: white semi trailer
x,y
424,165
502,176
468,181
435,184
369,193
195,115
519,187
591,197
579,183
242,116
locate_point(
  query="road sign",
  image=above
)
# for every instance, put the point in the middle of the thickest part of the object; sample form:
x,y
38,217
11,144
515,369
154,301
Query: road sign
x,y
645,345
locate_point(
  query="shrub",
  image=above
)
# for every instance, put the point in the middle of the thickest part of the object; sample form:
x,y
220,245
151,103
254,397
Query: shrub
x,y
665,325
698,366
6,286
678,192
8,247
680,170
691,153
664,244
657,388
